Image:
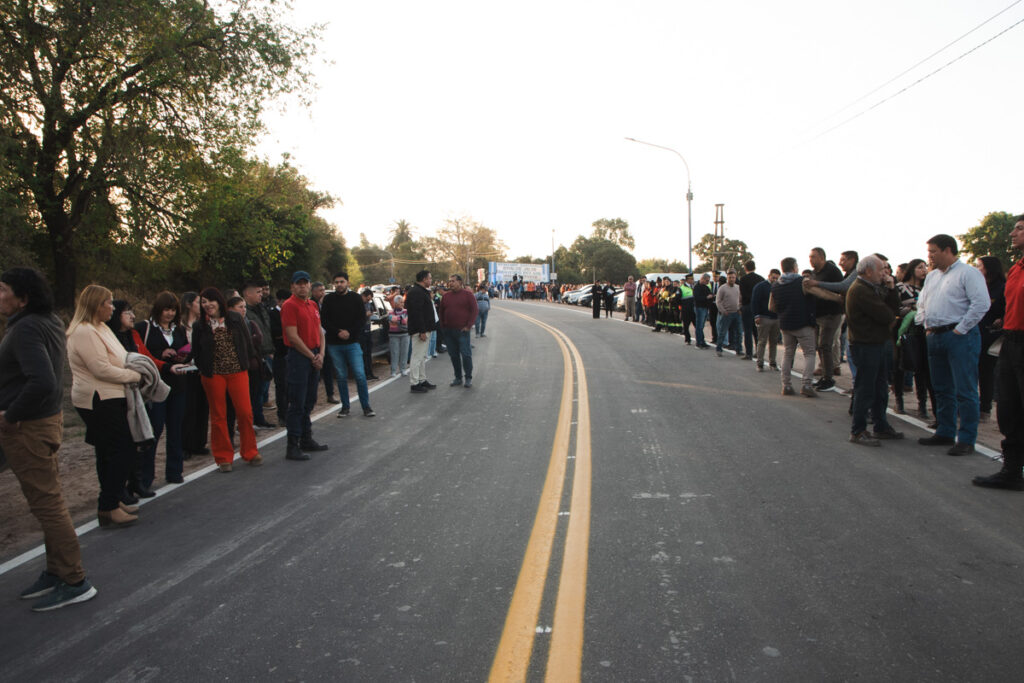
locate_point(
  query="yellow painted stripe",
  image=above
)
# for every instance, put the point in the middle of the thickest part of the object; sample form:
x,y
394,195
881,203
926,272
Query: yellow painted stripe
x,y
512,660
565,657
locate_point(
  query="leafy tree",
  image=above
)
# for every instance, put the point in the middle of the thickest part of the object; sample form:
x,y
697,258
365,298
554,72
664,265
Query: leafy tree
x,y
406,251
603,259
106,103
374,262
464,245
992,238
730,253
614,230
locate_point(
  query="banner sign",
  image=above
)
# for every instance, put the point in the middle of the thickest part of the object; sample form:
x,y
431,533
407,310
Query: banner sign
x,y
528,272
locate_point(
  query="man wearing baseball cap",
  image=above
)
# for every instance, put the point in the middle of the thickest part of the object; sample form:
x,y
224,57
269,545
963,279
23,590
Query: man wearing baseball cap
x,y
304,337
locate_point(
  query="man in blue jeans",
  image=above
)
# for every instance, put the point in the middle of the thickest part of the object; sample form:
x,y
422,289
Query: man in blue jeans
x,y
952,302
344,318
458,311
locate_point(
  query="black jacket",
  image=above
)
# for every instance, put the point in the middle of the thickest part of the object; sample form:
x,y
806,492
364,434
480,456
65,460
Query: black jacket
x,y
794,308
420,305
343,312
700,295
203,344
32,367
829,273
153,338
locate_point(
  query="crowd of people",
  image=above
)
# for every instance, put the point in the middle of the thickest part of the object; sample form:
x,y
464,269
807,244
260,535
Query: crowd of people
x,y
203,363
199,365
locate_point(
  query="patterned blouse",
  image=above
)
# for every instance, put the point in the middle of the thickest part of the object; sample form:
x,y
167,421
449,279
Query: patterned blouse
x,y
225,357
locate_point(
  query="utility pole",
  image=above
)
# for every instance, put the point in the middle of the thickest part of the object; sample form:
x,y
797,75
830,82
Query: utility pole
x,y
716,254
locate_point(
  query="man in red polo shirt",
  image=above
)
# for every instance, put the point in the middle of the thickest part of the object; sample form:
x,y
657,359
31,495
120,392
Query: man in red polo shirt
x,y
304,337
1010,377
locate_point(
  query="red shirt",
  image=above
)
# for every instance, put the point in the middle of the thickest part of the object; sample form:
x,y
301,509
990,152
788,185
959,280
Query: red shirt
x,y
304,315
1014,292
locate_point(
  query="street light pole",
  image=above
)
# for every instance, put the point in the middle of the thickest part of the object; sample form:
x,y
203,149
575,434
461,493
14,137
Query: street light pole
x,y
552,252
689,200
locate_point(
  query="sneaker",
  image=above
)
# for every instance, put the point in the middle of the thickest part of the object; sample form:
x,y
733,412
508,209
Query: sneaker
x,y
808,391
961,449
788,391
46,583
1003,479
455,382
344,412
468,383
864,439
936,440
825,384
405,373
368,412
65,594
888,433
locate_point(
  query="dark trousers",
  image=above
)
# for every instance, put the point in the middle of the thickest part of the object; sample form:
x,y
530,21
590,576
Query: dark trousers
x,y
256,395
195,426
871,386
281,385
749,329
106,430
165,416
366,344
328,376
302,386
460,352
713,319
1010,407
986,374
689,318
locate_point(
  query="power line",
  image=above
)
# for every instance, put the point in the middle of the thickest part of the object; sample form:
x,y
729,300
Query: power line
x,y
909,69
923,78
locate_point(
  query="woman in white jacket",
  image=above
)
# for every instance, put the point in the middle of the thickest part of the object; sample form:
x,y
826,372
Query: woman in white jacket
x,y
99,374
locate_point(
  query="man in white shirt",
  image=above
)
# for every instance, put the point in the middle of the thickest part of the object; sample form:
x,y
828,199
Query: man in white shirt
x,y
952,302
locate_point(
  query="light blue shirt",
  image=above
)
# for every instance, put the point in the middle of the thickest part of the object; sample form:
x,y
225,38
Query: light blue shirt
x,y
957,296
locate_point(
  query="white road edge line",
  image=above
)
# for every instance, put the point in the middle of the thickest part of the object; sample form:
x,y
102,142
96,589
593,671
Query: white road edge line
x,y
19,560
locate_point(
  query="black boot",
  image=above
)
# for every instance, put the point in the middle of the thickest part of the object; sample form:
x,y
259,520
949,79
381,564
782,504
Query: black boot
x,y
311,446
135,480
294,452
899,405
1010,477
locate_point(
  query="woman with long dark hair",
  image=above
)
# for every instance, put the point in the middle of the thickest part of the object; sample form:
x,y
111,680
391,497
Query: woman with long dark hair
x,y
161,336
99,376
913,347
222,349
195,425
991,327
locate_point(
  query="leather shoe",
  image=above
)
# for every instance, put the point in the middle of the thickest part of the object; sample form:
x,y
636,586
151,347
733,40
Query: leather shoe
x,y
961,449
936,440
112,519
141,491
1003,479
311,446
294,452
889,434
427,385
130,509
418,389
455,382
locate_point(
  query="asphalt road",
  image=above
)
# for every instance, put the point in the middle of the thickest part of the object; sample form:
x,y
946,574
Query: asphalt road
x,y
733,535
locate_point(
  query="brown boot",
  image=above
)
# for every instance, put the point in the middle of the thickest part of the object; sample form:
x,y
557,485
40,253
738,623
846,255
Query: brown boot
x,y
115,518
130,509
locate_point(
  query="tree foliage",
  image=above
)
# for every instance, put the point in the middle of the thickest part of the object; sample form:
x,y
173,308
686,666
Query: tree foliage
x,y
463,245
730,253
992,238
107,105
601,259
660,265
614,230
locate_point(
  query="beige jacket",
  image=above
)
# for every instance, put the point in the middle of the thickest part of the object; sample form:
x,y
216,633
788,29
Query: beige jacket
x,y
97,365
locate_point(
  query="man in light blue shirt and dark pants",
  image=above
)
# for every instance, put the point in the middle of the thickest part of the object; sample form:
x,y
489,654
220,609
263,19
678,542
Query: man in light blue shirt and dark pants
x,y
952,302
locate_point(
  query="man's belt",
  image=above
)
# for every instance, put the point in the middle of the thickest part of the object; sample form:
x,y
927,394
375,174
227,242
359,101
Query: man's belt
x,y
941,329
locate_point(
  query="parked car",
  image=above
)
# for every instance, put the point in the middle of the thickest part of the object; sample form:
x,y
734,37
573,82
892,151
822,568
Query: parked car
x,y
573,297
378,325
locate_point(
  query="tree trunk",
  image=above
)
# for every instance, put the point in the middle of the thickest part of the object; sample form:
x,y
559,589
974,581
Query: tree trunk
x,y
65,267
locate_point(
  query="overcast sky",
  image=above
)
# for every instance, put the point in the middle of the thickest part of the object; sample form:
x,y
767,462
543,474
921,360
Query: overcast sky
x,y
515,114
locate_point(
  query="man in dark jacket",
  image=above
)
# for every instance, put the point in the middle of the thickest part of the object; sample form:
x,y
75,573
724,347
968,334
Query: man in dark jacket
x,y
828,316
422,321
872,303
747,283
256,313
766,321
702,299
343,318
796,320
31,389
458,312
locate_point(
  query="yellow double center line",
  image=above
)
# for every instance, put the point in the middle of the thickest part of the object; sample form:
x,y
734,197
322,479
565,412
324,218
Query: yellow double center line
x,y
512,660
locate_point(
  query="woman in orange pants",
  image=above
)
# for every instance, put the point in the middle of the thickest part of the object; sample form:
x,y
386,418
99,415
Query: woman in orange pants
x,y
222,349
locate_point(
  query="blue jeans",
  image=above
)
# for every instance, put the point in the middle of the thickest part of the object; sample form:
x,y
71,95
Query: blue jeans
x,y
171,413
702,319
431,345
953,362
346,357
729,325
303,381
871,388
481,322
460,351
